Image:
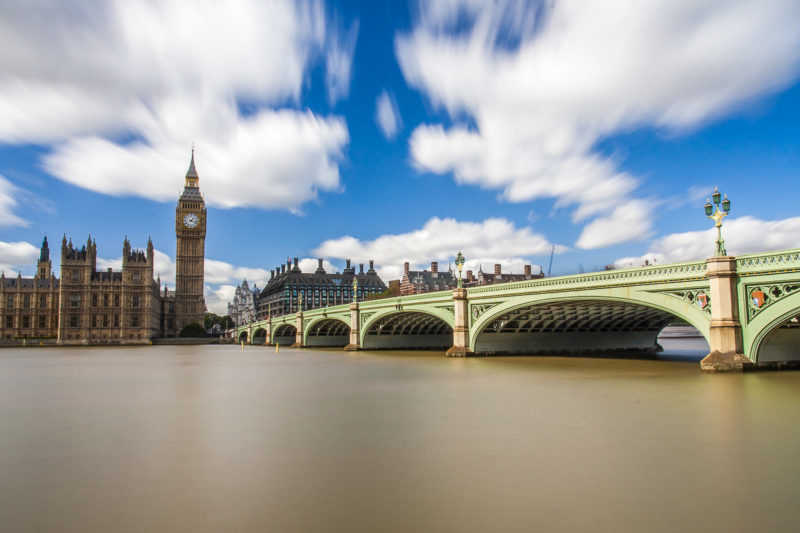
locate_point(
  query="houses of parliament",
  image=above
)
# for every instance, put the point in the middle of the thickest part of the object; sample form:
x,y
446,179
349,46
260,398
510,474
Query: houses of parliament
x,y
87,306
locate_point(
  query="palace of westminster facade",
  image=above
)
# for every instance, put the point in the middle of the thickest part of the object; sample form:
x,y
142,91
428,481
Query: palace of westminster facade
x,y
87,306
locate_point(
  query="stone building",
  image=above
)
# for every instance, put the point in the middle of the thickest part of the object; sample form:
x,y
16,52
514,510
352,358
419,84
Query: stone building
x,y
29,306
288,285
242,309
87,306
98,307
420,281
485,278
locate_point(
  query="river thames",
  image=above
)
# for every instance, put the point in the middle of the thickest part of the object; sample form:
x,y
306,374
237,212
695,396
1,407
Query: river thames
x,y
215,438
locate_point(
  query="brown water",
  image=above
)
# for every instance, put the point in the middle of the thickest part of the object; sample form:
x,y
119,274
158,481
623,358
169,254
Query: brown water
x,y
214,438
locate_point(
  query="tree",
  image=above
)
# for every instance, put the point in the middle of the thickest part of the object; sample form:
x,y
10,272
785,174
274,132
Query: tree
x,y
193,330
224,321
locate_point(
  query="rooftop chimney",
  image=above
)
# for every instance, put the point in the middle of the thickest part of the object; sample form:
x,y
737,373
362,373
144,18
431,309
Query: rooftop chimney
x,y
283,269
434,267
527,271
361,268
347,261
469,275
372,264
405,268
497,269
320,270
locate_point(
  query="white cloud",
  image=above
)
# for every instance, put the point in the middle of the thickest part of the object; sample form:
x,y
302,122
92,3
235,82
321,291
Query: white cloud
x,y
8,203
532,88
17,257
387,114
168,74
339,62
495,240
742,235
218,298
623,224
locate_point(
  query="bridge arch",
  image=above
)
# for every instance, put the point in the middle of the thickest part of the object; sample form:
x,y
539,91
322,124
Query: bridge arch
x,y
242,337
285,334
327,331
582,323
414,329
259,336
773,335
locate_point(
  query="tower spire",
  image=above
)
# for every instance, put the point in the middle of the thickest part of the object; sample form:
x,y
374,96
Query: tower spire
x,y
191,174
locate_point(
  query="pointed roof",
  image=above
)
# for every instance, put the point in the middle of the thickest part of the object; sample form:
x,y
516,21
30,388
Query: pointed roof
x,y
192,172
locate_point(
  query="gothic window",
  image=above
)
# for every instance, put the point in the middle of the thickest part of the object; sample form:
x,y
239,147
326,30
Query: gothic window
x,y
26,301
10,301
42,321
42,301
135,300
134,321
116,321
26,321
9,321
76,275
74,321
74,299
94,321
105,300
94,300
116,300
137,276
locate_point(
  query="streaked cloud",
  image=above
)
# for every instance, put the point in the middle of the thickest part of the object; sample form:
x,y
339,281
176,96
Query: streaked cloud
x,y
122,89
387,115
495,240
8,203
532,88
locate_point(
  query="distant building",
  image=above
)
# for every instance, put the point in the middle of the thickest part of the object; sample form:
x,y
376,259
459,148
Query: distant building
x,y
484,278
30,305
420,281
417,282
288,285
242,309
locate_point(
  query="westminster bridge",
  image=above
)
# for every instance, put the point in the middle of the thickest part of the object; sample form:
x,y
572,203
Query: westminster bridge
x,y
746,307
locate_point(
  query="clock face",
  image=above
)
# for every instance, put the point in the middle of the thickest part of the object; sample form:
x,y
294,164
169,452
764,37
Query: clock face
x,y
190,220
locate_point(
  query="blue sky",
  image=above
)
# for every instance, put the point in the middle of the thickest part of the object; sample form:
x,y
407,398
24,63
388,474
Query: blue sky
x,y
400,131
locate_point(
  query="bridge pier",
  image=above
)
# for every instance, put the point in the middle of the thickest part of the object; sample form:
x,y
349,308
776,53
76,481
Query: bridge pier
x,y
461,347
725,330
298,338
355,341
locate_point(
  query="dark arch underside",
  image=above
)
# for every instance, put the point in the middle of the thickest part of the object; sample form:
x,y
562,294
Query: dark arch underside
x,y
782,343
329,332
285,334
575,327
409,330
259,336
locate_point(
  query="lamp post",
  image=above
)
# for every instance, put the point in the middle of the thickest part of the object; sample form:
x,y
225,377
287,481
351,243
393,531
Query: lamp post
x,y
459,265
714,213
355,289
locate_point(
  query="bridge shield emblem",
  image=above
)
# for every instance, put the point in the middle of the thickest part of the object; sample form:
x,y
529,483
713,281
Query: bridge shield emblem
x,y
758,298
702,300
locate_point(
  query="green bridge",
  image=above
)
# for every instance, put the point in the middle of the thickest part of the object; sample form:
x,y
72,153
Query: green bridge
x,y
746,307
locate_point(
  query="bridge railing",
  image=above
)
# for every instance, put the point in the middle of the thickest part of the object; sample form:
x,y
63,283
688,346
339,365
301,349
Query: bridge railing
x,y
781,261
688,270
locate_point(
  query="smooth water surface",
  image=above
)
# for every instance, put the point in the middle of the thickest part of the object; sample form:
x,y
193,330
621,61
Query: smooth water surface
x,y
215,438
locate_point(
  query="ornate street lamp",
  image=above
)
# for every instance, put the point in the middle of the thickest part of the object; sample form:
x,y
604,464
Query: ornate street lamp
x,y
300,303
459,265
716,214
355,289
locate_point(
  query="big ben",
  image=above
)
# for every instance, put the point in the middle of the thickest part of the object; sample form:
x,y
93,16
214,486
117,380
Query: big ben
x,y
190,232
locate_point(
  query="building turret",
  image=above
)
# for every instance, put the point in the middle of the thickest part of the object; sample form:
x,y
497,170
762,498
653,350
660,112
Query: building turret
x,y
44,267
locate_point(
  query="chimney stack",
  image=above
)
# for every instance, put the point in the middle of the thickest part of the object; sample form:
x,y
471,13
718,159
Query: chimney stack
x,y
348,264
283,269
527,271
372,264
361,268
434,267
405,268
469,276
497,269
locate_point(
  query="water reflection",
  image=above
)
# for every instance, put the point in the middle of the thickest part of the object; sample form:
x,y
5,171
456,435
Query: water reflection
x,y
215,438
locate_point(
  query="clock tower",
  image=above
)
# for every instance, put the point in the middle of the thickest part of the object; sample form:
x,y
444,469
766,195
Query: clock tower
x,y
190,231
